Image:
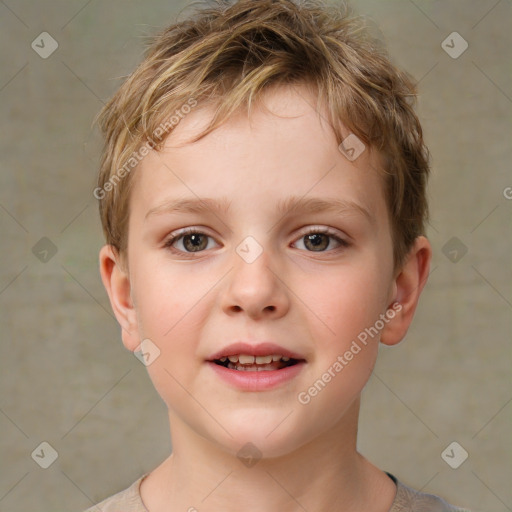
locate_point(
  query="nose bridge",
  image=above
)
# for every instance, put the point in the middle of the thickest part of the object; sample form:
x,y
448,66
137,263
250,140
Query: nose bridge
x,y
254,286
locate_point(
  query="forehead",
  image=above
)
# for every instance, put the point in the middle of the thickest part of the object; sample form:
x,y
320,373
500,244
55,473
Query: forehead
x,y
294,103
284,147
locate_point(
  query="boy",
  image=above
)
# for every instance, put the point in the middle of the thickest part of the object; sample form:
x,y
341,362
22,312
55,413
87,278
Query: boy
x,y
262,193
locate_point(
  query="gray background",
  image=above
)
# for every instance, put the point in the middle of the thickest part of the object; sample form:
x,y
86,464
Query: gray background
x,y
66,378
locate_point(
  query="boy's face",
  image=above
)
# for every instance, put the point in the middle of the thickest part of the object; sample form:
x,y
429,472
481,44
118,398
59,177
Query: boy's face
x,y
255,276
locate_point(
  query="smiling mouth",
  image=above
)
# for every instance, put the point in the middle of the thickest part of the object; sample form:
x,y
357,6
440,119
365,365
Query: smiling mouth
x,y
248,363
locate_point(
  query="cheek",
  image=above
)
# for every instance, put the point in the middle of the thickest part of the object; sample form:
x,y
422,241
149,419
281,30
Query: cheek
x,y
348,303
172,325
344,302
165,317
167,300
171,315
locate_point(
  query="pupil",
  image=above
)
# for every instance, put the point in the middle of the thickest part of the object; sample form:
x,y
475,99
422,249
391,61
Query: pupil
x,y
195,240
317,240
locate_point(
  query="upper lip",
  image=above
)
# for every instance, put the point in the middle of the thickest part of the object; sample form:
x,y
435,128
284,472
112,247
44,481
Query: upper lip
x,y
259,349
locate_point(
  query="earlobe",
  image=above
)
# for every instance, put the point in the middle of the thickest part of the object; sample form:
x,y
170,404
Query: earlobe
x,y
407,289
117,284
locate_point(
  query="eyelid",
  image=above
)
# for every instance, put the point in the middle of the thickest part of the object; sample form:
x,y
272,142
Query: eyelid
x,y
315,228
311,229
180,233
342,239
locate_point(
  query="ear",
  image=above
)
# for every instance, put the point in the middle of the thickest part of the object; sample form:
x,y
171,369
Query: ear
x,y
407,288
117,283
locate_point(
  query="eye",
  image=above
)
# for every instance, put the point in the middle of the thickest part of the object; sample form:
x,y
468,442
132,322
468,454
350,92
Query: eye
x,y
191,240
318,239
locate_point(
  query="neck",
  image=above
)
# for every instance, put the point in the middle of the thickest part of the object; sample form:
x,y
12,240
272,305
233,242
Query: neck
x,y
326,473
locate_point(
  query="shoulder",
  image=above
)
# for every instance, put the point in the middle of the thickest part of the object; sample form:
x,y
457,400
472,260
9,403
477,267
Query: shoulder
x,y
128,500
409,500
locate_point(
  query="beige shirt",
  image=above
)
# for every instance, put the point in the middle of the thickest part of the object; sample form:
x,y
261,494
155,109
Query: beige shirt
x,y
406,500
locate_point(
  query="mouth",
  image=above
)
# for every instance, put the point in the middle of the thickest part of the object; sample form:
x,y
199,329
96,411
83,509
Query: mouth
x,y
256,367
250,363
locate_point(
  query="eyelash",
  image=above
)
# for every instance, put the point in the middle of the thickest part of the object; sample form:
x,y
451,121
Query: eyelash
x,y
192,231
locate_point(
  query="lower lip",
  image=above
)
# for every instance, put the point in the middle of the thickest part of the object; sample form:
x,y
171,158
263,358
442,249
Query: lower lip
x,y
254,380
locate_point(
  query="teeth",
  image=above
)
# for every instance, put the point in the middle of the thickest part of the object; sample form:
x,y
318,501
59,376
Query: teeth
x,y
263,359
252,368
248,359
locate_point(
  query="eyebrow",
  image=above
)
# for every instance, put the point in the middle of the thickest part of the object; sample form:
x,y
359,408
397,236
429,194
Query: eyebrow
x,y
292,204
204,205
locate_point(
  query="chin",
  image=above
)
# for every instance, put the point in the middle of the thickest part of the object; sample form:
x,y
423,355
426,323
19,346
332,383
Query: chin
x,y
261,435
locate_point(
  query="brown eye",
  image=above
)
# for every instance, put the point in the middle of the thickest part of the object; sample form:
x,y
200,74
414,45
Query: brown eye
x,y
319,240
316,241
196,242
188,242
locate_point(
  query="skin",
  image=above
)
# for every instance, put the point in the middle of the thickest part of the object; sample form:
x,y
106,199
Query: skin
x,y
314,302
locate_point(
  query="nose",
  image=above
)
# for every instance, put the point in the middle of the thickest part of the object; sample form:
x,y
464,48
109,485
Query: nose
x,y
256,288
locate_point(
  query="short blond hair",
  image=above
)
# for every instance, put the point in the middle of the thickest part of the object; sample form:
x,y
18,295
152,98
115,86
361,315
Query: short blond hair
x,y
226,54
